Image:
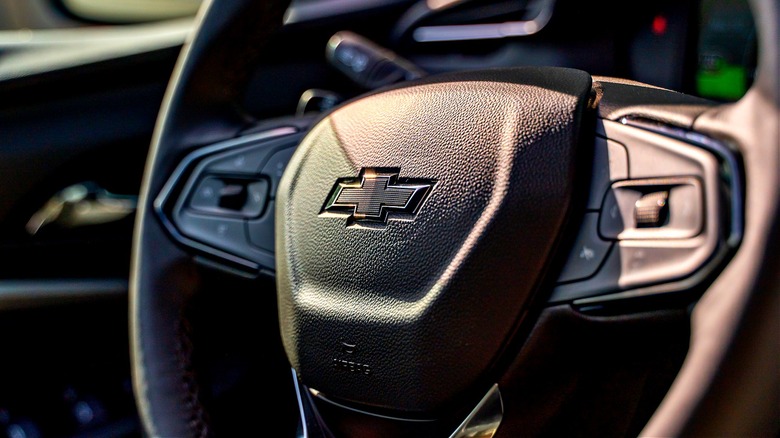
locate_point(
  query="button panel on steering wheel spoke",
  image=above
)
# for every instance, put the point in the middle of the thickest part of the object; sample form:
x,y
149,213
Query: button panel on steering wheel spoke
x,y
664,213
220,200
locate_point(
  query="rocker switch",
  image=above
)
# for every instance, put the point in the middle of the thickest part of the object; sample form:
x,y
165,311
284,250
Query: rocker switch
x,y
226,196
652,210
232,197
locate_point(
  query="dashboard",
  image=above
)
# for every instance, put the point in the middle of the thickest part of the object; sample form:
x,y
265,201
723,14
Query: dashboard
x,y
705,48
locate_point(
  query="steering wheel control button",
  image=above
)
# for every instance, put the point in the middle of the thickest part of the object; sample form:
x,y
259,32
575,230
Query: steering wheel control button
x,y
245,161
686,209
256,196
588,252
247,158
646,264
226,234
617,212
230,196
652,210
610,163
206,196
261,230
275,166
659,208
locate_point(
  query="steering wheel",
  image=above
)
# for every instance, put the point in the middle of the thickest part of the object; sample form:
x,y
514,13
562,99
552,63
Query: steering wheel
x,y
452,254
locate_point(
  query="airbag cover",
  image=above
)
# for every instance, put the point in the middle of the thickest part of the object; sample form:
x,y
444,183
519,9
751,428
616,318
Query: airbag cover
x,y
406,307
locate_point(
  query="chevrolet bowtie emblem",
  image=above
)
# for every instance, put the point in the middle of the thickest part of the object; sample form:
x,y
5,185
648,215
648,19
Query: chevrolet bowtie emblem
x,y
375,194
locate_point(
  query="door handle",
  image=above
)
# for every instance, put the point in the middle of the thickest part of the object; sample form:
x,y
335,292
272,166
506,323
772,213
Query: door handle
x,y
81,205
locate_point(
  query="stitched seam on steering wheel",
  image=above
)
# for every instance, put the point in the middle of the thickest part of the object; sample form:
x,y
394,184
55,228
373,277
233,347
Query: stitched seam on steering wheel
x,y
197,421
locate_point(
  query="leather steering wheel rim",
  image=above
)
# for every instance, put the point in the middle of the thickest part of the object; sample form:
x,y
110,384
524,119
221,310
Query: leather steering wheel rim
x,y
194,113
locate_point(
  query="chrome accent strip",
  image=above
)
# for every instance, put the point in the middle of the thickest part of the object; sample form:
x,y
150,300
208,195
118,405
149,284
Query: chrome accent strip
x,y
484,420
304,431
311,424
486,31
303,12
319,395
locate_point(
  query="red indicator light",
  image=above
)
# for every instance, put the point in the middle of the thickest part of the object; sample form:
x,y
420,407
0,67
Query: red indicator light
x,y
659,25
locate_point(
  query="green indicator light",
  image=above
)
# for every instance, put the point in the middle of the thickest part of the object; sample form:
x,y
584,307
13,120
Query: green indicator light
x,y
724,82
